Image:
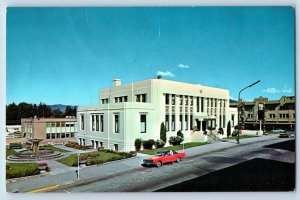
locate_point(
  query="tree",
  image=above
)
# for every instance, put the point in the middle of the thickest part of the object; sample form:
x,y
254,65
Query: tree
x,y
57,113
180,134
138,144
163,132
70,111
228,128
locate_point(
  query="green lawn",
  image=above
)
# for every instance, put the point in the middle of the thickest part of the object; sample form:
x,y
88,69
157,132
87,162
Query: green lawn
x,y
241,137
10,152
15,170
177,147
55,148
93,158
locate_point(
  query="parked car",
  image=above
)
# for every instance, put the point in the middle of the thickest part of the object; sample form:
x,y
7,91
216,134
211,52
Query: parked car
x,y
163,157
287,134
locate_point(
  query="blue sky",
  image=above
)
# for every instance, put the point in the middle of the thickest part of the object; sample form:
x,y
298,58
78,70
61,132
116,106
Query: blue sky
x,y
65,55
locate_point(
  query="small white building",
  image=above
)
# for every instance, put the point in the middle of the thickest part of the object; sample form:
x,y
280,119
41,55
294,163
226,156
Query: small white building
x,y
136,110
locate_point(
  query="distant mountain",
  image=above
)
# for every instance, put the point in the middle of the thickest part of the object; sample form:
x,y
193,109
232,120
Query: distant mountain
x,y
232,101
61,107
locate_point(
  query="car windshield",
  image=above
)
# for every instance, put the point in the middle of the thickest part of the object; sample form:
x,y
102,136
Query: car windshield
x,y
160,153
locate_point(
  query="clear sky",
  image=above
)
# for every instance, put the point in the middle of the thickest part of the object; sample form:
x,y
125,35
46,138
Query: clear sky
x,y
65,55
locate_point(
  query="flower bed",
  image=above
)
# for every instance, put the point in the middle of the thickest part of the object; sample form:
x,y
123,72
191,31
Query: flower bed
x,y
16,170
94,158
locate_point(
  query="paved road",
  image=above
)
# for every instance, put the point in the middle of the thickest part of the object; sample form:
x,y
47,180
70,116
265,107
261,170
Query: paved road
x,y
128,175
150,179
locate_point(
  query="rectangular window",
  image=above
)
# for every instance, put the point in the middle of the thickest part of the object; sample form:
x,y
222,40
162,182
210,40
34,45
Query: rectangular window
x,y
191,122
186,100
63,135
220,121
48,136
173,122
167,123
232,119
57,135
97,122
202,104
167,100
173,99
207,102
125,99
216,101
117,124
116,99
48,124
137,98
82,122
93,122
181,100
186,122
197,104
101,123
191,101
144,98
72,134
181,122
143,122
52,135
116,147
57,124
211,102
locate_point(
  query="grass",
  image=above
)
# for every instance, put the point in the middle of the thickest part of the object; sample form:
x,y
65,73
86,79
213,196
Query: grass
x,y
93,158
10,152
56,149
16,170
176,148
241,137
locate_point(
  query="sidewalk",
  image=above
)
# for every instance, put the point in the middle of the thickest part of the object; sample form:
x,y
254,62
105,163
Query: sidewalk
x,y
63,175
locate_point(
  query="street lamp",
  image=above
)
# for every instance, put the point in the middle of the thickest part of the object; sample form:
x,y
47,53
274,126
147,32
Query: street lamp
x,y
238,134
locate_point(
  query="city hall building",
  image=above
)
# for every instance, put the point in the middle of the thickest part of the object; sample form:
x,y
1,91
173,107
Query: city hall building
x,y
137,110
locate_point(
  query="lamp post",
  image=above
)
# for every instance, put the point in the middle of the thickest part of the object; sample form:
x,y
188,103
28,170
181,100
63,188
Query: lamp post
x,y
238,134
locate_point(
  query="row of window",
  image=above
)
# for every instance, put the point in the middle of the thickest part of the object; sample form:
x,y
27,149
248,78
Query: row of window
x,y
59,135
60,124
181,123
138,98
97,122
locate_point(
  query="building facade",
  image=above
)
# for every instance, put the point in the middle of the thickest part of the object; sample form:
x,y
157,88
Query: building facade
x,y
277,114
136,110
50,130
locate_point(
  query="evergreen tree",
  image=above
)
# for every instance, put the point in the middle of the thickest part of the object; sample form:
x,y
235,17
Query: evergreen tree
x,y
163,132
228,128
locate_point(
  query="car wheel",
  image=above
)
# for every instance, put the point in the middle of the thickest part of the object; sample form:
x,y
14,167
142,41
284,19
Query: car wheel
x,y
178,159
159,164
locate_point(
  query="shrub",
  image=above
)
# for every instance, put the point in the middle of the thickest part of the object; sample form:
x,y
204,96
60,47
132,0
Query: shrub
x,y
163,132
180,134
138,144
220,131
228,128
159,144
175,140
148,144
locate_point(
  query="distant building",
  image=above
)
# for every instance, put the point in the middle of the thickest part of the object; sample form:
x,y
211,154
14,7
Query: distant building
x,y
278,114
137,110
51,130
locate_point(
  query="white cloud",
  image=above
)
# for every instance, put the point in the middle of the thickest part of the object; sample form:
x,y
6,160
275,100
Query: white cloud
x,y
183,66
167,73
275,90
271,90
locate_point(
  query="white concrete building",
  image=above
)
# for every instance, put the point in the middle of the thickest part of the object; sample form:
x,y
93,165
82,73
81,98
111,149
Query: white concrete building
x,y
136,110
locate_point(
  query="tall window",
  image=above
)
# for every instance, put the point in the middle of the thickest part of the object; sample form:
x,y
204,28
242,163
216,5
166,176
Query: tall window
x,y
173,122
181,122
173,99
93,122
82,122
117,124
186,100
143,122
97,122
167,123
198,102
101,123
191,122
202,104
181,100
191,101
167,99
186,122
144,98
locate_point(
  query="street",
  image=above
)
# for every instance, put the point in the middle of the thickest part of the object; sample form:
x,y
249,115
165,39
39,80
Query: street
x,y
194,166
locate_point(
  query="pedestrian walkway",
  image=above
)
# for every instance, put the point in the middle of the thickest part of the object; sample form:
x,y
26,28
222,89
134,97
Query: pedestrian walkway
x,y
62,175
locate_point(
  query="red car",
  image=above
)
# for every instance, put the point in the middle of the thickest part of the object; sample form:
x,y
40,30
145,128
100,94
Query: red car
x,y
163,157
